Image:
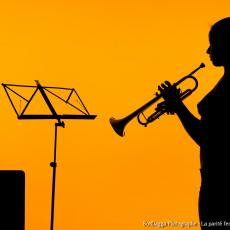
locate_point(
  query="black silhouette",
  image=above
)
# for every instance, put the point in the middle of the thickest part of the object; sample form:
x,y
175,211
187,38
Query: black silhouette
x,y
12,199
45,91
211,132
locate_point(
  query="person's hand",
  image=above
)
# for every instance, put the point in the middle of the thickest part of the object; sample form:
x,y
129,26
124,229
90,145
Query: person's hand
x,y
171,96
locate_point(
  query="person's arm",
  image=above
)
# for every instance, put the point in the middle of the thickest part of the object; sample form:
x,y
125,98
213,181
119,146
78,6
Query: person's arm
x,y
173,104
191,124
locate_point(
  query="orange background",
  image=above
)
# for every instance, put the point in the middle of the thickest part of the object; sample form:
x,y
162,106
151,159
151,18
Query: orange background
x,y
114,53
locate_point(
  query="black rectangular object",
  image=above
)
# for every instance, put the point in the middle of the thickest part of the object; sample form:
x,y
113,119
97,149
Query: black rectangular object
x,y
12,200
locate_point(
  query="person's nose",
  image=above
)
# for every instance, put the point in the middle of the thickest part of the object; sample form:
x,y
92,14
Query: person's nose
x,y
208,50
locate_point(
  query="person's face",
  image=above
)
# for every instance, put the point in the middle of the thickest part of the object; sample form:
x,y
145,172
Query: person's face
x,y
216,54
217,51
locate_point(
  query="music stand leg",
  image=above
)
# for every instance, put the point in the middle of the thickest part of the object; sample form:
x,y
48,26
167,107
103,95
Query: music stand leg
x,y
54,166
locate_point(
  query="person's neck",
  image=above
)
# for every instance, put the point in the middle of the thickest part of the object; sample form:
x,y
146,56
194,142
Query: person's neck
x,y
227,69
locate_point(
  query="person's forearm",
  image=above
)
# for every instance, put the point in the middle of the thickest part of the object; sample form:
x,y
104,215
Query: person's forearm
x,y
191,124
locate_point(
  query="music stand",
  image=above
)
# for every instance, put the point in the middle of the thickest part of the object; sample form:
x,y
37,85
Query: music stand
x,y
45,91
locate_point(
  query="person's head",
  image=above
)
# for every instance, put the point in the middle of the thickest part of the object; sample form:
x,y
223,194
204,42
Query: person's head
x,y
219,38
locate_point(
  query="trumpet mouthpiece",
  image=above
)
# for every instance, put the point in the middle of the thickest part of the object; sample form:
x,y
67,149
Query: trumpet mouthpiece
x,y
202,65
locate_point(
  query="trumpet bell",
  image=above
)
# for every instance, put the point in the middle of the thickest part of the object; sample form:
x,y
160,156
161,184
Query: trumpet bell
x,y
118,126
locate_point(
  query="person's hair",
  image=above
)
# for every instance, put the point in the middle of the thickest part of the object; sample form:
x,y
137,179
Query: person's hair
x,y
220,33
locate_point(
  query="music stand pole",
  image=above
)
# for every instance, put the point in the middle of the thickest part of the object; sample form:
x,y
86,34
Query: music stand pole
x,y
54,166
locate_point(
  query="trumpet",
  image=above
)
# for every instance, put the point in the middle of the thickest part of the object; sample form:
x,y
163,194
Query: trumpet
x,y
119,124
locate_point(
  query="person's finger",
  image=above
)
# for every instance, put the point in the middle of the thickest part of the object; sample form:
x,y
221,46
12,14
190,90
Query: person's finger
x,y
160,89
168,83
164,86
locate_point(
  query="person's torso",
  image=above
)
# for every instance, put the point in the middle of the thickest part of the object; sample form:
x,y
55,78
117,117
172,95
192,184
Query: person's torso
x,y
215,121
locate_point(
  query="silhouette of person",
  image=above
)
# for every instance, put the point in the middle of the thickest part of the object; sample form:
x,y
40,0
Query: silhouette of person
x,y
210,132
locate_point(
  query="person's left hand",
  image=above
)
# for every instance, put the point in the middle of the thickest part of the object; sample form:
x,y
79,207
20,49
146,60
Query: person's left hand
x,y
171,96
